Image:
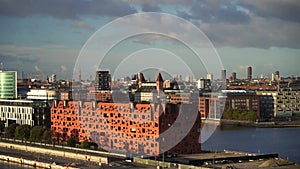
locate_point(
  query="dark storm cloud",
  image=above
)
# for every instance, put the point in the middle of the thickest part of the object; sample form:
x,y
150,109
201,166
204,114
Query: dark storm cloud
x,y
64,9
287,10
13,58
215,11
150,8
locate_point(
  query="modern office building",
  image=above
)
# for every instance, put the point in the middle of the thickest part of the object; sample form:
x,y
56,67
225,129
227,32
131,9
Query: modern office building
x,y
8,84
249,73
284,101
103,81
33,113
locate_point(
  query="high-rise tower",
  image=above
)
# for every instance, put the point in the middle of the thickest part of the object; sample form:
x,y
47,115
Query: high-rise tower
x,y
249,73
102,81
8,84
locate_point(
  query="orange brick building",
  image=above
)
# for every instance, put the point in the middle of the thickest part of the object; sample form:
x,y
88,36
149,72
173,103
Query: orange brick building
x,y
129,128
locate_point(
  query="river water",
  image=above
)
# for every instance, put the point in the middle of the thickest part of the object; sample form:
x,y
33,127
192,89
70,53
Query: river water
x,y
284,141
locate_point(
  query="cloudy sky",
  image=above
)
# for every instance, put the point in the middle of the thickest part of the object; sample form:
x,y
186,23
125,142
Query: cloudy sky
x,y
47,35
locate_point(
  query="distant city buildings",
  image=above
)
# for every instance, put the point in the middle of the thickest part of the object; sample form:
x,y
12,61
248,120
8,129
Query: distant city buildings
x,y
233,76
128,114
52,78
210,76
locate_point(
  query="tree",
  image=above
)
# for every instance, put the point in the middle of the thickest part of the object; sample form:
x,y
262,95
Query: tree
x,y
23,132
10,130
85,144
71,142
47,136
2,126
36,133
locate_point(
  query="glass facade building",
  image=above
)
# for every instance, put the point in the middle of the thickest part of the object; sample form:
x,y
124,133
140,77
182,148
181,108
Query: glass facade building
x,y
8,84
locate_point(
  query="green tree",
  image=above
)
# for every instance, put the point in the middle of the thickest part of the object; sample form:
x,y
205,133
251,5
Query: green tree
x,y
71,142
85,144
36,133
10,130
243,115
228,114
23,132
2,126
47,136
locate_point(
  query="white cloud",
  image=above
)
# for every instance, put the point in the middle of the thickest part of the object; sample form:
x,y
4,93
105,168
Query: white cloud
x,y
82,25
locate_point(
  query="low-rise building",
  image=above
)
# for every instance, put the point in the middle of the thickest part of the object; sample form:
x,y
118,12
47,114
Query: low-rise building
x,y
41,94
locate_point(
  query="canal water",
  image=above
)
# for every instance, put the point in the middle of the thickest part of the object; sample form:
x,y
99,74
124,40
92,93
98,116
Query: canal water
x,y
6,165
284,141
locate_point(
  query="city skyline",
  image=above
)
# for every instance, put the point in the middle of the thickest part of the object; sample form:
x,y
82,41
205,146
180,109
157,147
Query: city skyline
x,y
48,38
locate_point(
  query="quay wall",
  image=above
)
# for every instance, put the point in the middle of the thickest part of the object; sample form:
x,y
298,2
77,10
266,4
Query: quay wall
x,y
96,159
32,163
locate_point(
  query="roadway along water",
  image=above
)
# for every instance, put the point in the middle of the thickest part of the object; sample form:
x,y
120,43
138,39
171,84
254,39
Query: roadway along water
x,y
284,141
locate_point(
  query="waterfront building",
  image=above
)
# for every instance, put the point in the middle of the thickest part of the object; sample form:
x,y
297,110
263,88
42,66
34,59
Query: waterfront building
x,y
33,113
212,105
285,101
129,128
8,84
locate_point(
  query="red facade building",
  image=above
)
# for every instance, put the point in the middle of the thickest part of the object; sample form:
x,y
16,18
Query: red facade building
x,y
129,128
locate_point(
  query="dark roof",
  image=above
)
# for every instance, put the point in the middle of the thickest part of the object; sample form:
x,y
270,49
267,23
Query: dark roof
x,y
159,78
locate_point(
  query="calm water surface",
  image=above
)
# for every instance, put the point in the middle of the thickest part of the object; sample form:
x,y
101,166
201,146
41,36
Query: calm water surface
x,y
6,165
284,141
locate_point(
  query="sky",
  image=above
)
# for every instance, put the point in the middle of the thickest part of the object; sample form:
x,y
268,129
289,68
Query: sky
x,y
48,36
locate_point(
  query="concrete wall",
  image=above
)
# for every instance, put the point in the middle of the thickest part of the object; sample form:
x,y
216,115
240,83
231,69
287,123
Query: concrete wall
x,y
165,164
31,163
58,153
